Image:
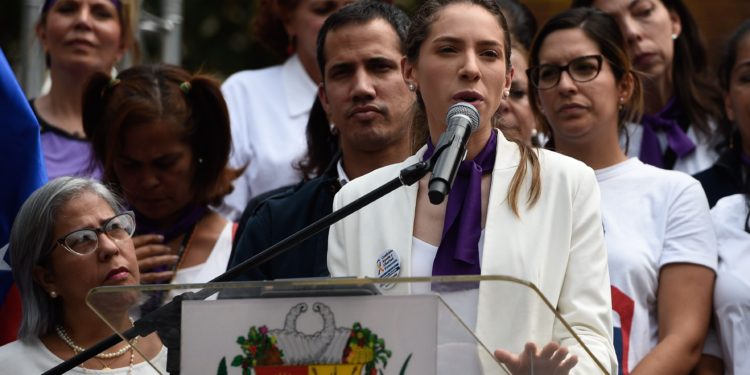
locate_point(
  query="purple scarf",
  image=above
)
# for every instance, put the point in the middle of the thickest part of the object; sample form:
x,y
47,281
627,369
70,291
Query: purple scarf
x,y
188,217
677,140
744,159
458,253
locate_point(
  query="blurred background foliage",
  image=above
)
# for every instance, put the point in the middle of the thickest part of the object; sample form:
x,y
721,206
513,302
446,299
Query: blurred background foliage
x,y
217,39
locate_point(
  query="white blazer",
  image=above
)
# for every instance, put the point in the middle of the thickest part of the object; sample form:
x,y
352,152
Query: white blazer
x,y
557,244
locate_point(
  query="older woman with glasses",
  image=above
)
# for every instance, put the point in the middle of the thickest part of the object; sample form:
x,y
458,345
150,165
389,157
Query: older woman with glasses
x,y
657,227
70,236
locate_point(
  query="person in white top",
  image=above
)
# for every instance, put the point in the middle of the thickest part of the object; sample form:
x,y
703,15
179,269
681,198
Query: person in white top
x,y
163,138
269,108
731,218
72,235
657,227
679,130
514,210
732,291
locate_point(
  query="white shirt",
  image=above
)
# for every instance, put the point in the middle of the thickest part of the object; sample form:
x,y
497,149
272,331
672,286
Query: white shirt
x,y
732,288
20,358
651,217
268,111
703,156
214,266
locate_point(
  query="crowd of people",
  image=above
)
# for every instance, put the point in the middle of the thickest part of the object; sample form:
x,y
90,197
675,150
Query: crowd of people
x,y
610,167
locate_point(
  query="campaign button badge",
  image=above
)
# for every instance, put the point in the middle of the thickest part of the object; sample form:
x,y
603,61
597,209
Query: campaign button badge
x,y
388,266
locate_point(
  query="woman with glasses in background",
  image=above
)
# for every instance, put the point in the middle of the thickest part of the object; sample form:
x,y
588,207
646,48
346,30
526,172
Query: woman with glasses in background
x,y
662,253
70,236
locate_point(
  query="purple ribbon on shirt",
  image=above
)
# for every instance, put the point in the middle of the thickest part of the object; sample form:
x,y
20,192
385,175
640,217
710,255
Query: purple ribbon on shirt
x,y
458,253
677,140
745,159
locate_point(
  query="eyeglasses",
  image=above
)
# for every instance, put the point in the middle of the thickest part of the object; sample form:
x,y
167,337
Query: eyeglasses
x,y
581,69
86,241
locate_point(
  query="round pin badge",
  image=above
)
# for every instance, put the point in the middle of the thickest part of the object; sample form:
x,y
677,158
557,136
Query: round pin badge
x,y
388,266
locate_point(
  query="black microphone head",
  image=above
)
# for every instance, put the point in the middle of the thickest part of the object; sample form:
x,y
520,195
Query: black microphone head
x,y
465,109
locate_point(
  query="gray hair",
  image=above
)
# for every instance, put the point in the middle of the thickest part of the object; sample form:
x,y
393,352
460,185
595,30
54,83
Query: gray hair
x,y
31,244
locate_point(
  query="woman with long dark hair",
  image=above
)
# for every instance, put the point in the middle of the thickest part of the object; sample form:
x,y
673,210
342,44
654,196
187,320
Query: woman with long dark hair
x,y
681,128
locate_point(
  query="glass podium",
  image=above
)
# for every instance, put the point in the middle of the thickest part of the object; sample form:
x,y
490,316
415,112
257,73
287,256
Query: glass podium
x,y
417,325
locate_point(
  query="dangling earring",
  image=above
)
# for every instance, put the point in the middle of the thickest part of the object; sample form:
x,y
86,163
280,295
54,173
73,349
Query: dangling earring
x,y
53,294
622,104
290,46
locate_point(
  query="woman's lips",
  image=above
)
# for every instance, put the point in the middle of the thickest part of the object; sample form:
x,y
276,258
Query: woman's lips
x,y
571,109
118,274
644,59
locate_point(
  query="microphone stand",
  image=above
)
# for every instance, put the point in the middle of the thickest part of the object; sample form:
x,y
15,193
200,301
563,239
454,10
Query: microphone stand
x,y
165,320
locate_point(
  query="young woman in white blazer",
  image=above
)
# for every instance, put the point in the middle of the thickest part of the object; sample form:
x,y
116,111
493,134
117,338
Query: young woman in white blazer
x,y
523,212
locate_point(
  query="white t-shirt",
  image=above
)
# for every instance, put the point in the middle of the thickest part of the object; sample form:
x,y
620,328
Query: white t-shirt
x,y
732,288
214,266
703,157
20,358
651,217
268,111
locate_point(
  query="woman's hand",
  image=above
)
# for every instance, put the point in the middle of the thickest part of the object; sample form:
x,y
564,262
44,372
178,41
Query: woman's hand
x,y
154,259
553,359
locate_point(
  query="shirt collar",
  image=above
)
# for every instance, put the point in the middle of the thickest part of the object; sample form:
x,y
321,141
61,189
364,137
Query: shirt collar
x,y
299,88
343,178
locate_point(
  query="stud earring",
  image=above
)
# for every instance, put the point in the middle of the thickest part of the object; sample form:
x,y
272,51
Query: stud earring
x,y
53,294
675,36
506,93
412,87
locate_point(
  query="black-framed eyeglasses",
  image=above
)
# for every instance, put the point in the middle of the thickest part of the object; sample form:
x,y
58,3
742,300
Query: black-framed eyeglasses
x,y
580,69
86,241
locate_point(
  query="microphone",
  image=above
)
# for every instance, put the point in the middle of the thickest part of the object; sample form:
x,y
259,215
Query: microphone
x,y
462,119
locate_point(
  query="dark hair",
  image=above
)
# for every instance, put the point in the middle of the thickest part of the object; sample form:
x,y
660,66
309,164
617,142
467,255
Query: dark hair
x,y
268,26
521,21
729,55
602,29
726,65
693,84
168,95
126,14
425,16
322,144
360,13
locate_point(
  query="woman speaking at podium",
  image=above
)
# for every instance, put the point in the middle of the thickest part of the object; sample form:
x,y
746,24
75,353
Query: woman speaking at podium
x,y
513,210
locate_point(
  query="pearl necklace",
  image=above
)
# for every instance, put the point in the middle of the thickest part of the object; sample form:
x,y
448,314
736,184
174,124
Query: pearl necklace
x,y
78,349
